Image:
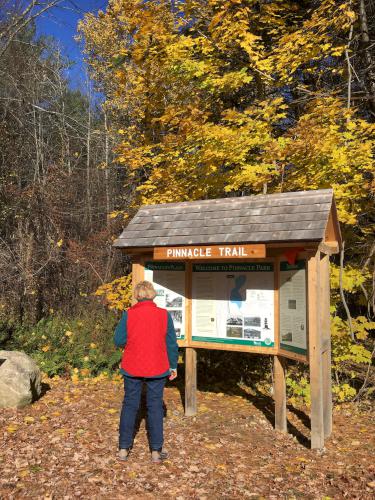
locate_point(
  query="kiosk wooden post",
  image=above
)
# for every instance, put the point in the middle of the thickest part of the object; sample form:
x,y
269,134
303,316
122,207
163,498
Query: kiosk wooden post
x,y
248,274
190,382
315,352
137,271
280,394
326,344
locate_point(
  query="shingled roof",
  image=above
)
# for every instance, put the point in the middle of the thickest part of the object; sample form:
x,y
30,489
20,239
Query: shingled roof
x,y
296,216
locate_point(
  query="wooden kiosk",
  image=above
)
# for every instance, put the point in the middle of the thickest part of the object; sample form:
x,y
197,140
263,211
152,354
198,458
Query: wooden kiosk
x,y
246,274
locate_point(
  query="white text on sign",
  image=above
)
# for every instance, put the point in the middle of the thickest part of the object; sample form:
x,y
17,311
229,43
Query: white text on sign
x,y
210,252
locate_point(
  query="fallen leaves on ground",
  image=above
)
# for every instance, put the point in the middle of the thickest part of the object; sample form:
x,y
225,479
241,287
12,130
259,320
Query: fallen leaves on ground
x,y
65,445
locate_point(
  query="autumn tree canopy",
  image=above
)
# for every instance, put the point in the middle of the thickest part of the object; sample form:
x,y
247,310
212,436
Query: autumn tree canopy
x,y
222,98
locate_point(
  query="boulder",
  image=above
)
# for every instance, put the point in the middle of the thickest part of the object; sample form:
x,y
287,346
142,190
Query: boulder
x,y
20,379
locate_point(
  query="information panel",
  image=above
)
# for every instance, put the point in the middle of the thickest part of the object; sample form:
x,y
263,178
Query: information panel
x,y
169,282
233,303
293,321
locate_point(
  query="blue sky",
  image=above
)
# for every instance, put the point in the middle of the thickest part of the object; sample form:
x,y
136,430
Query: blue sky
x,y
61,23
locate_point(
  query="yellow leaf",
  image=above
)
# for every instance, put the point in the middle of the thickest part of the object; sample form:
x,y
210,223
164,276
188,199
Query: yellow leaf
x,y
12,428
210,446
203,408
222,467
59,243
29,420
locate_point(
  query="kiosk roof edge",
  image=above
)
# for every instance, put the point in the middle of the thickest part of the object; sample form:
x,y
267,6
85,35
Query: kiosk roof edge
x,y
303,216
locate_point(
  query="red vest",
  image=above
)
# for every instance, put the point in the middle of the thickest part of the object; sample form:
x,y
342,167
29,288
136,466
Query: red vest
x,y
145,353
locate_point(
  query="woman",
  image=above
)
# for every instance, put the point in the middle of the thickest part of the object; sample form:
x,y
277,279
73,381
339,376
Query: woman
x,y
150,355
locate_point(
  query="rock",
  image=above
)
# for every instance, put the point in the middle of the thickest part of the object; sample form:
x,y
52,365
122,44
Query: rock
x,y
20,379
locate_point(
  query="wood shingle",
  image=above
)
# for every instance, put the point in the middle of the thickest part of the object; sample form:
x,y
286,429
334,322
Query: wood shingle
x,y
283,217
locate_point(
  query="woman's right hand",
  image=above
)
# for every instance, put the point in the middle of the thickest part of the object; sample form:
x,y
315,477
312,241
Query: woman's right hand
x,y
173,375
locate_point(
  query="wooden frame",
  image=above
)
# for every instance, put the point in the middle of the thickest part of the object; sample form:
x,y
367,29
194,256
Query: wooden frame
x,y
304,223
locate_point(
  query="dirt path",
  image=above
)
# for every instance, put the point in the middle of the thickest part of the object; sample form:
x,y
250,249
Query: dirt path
x,y
64,446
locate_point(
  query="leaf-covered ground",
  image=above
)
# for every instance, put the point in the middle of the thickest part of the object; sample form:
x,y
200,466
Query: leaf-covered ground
x,y
64,446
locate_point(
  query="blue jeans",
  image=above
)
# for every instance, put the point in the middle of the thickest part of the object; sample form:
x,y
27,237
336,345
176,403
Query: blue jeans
x,y
155,410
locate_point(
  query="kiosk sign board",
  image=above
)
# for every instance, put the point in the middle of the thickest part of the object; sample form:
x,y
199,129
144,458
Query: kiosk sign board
x,y
293,319
233,303
169,284
210,252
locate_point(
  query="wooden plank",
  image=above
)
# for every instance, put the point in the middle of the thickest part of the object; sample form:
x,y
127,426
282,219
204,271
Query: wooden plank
x,y
279,386
251,204
327,392
262,227
182,343
210,252
272,249
291,198
336,225
190,220
326,343
249,349
188,301
292,214
190,382
329,235
318,208
315,357
247,237
218,201
137,273
205,226
260,237
293,355
329,248
251,201
233,347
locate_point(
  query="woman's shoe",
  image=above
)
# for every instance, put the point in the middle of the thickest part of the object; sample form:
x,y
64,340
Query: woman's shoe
x,y
124,453
158,456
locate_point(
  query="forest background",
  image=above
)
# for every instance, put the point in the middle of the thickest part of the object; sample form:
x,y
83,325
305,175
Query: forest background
x,y
192,100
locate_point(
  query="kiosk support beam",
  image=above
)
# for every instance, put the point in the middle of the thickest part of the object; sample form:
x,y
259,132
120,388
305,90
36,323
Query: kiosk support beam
x,y
315,352
280,394
326,345
138,272
190,382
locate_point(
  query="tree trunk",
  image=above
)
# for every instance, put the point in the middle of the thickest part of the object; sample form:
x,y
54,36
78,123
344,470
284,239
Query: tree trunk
x,y
366,47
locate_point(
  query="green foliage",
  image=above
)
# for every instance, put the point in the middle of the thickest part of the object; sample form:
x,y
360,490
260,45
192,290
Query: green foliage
x,y
343,348
69,346
298,388
344,392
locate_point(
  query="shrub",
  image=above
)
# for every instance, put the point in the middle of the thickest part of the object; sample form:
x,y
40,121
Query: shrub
x,y
61,345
